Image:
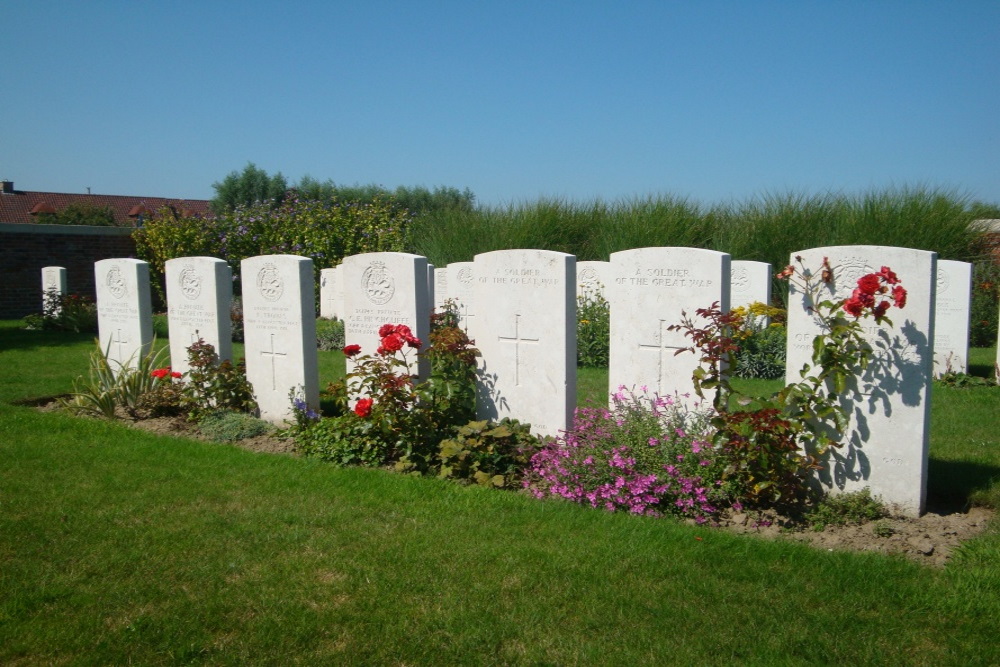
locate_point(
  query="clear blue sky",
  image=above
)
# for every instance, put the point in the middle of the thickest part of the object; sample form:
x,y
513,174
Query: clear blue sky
x,y
514,100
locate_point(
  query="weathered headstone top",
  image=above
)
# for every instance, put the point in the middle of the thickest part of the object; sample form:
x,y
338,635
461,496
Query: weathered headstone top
x,y
199,298
462,290
751,283
886,446
124,311
651,290
279,328
385,288
952,311
527,337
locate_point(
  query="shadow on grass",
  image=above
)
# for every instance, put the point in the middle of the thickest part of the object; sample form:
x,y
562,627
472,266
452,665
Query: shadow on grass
x,y
981,370
21,339
951,484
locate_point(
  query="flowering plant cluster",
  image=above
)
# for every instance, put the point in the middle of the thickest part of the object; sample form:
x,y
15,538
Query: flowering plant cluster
x,y
161,373
394,417
66,312
648,454
764,439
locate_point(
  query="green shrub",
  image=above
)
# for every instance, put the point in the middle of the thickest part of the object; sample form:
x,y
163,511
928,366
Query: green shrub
x,y
211,385
66,312
984,307
330,334
230,426
489,454
593,330
856,507
762,354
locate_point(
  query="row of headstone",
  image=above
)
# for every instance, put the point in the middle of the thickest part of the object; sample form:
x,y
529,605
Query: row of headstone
x,y
527,332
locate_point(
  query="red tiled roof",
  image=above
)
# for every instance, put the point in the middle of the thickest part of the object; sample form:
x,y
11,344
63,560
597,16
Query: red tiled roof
x,y
16,206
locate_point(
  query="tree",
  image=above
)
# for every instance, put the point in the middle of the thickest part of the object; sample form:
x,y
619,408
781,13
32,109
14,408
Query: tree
x,y
249,187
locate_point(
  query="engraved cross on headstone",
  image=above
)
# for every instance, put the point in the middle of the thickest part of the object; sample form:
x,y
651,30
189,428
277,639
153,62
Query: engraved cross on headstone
x,y
272,353
517,340
118,340
466,316
660,348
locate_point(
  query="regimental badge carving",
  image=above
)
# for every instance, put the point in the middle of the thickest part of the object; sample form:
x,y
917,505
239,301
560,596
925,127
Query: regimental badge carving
x,y
588,277
116,282
943,281
377,283
269,282
190,283
740,279
465,276
846,274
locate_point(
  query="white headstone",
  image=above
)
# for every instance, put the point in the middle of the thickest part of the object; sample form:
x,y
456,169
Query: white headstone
x,y
124,311
461,289
886,446
527,337
751,283
592,279
650,290
386,288
54,286
199,298
331,293
952,310
279,329
440,287
431,283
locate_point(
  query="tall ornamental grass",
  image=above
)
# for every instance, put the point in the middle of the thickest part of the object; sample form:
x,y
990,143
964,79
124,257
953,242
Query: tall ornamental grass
x,y
766,228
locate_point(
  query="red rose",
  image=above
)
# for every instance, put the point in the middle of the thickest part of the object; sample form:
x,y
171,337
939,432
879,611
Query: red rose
x,y
880,309
869,284
386,329
392,343
363,407
352,350
786,272
413,342
853,307
899,296
160,373
888,275
175,374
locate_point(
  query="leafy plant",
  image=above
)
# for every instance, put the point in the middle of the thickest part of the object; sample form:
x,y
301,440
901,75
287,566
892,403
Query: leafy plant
x,y
330,334
211,385
232,426
487,453
985,303
67,312
762,340
841,509
109,390
593,330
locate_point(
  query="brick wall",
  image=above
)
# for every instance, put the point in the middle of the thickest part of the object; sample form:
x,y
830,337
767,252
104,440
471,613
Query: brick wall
x,y
25,249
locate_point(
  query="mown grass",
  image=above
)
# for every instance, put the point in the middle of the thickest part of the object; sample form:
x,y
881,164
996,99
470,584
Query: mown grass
x,y
119,546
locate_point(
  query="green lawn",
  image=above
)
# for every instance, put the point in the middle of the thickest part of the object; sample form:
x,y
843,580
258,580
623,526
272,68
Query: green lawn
x,y
118,546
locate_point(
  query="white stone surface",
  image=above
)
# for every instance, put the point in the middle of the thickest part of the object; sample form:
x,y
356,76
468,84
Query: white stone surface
x,y
279,329
386,288
331,293
440,287
462,289
199,298
750,282
886,446
54,283
124,311
952,310
650,289
527,337
592,278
